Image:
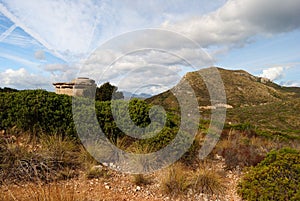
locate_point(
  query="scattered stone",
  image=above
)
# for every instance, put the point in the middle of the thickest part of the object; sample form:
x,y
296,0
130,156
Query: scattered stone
x,y
138,188
2,132
218,157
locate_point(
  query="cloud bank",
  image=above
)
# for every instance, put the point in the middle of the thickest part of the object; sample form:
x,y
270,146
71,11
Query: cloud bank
x,y
74,28
22,79
238,21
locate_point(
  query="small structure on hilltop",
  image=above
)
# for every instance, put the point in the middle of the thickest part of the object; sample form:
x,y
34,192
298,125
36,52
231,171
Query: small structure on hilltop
x,y
80,86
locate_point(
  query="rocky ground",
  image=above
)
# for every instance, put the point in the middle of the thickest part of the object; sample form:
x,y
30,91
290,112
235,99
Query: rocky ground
x,y
114,187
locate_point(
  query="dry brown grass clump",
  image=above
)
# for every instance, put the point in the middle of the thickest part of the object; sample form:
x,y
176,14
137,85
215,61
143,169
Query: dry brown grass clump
x,y
207,181
140,179
238,149
178,180
175,181
49,158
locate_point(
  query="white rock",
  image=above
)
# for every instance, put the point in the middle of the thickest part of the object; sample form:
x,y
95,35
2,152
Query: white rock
x,y
218,157
138,188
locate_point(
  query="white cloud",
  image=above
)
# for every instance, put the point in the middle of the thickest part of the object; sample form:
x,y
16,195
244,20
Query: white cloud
x,y
22,79
61,72
40,55
132,72
75,28
55,67
239,20
149,69
273,73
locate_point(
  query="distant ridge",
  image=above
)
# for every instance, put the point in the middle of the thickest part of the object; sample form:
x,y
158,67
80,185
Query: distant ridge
x,y
129,95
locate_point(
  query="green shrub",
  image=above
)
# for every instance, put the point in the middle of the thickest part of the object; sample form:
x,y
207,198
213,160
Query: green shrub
x,y
36,111
277,177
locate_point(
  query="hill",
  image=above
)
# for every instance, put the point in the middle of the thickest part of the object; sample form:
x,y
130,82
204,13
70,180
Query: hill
x,y
250,99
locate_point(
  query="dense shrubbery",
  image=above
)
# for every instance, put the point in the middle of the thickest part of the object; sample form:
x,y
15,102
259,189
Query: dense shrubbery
x,y
277,177
36,110
7,89
39,111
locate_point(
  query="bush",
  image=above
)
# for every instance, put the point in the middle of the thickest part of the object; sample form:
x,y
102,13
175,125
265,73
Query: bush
x,y
35,111
240,150
277,177
208,181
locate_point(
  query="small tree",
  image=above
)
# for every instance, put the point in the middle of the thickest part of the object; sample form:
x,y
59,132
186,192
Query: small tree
x,y
107,92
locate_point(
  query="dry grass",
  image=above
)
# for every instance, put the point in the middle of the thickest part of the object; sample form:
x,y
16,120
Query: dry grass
x,y
48,158
140,179
43,192
238,149
208,181
60,149
85,158
178,180
174,181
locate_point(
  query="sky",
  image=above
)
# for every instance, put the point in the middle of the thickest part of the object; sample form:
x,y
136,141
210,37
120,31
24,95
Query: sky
x,y
145,46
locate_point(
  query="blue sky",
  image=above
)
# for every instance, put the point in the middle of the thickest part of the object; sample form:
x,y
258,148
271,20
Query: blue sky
x,y
47,41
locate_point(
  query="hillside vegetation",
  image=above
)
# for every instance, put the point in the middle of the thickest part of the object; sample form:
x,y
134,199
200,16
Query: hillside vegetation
x,y
251,100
